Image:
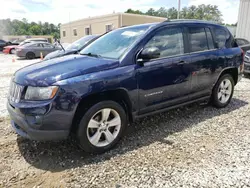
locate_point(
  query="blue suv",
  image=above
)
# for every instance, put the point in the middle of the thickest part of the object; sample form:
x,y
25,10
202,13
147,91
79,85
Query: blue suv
x,y
125,74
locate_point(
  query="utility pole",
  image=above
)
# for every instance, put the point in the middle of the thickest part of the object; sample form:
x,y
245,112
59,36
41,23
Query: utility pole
x,y
179,9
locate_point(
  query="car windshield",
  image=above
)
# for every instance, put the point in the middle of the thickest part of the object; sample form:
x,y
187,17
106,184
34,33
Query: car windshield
x,y
114,44
77,45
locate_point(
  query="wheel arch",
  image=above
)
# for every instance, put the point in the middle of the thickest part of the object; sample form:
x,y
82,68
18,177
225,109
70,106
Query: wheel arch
x,y
233,71
118,95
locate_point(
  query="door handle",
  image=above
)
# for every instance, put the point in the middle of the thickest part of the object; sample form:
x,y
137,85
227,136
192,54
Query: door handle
x,y
181,63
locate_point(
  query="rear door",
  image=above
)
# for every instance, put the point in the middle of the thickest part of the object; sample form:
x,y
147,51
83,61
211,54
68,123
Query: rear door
x,y
204,60
36,48
48,48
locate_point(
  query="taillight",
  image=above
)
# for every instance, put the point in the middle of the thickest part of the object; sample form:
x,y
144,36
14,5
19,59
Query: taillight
x,y
243,56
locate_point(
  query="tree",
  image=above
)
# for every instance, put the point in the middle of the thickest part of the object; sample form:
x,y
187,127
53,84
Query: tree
x,y
172,13
23,27
151,12
201,12
131,11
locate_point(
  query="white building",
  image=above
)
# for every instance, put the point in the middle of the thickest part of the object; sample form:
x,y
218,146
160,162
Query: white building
x,y
243,27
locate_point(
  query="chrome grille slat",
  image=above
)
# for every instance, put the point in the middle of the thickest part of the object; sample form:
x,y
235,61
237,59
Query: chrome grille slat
x,y
15,92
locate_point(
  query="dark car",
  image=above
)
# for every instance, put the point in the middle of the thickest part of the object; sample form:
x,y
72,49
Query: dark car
x,y
74,48
247,64
4,43
125,74
243,43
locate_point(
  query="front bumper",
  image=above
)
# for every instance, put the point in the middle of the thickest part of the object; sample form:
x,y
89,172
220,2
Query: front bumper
x,y
24,127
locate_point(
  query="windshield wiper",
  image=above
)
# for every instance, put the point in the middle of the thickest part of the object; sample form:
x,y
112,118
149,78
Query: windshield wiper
x,y
92,55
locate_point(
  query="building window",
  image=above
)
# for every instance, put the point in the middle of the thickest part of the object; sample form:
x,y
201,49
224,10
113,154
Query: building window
x,y
108,27
75,32
87,31
64,33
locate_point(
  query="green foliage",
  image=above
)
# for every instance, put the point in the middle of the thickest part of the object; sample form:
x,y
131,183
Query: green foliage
x,y
201,12
23,27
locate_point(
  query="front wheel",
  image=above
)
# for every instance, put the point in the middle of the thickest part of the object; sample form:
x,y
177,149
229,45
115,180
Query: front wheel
x,y
101,127
223,91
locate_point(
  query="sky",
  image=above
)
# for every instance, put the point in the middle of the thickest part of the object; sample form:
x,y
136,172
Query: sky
x,y
63,11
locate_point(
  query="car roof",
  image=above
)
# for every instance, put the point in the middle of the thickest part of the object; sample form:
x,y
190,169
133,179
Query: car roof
x,y
179,21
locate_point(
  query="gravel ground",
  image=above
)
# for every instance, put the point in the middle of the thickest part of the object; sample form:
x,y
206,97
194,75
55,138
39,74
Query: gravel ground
x,y
7,69
193,146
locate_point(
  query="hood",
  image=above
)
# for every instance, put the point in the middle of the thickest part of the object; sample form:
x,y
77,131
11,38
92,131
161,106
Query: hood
x,y
48,72
59,53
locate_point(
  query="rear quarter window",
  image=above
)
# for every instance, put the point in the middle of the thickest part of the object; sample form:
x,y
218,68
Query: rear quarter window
x,y
223,38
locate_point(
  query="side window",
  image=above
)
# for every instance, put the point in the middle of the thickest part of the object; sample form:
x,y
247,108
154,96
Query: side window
x,y
169,41
2,42
36,45
197,39
240,42
47,46
209,39
221,37
246,41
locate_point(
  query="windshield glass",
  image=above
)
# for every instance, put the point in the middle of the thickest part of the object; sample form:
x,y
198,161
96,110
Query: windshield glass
x,y
114,44
77,45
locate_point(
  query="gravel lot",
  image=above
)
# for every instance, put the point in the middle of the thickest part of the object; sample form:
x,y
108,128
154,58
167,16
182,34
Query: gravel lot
x,y
194,146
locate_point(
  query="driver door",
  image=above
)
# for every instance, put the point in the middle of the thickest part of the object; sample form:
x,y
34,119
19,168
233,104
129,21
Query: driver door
x,y
164,81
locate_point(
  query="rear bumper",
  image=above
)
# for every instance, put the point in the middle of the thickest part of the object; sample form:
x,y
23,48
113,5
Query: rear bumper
x,y
23,128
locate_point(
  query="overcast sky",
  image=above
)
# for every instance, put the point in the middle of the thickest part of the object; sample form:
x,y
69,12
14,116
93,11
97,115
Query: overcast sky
x,y
58,11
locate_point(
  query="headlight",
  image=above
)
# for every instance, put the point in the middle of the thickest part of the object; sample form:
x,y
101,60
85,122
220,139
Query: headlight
x,y
40,93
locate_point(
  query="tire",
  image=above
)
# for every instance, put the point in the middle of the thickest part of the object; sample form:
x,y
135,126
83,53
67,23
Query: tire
x,y
93,127
12,51
223,91
30,55
247,75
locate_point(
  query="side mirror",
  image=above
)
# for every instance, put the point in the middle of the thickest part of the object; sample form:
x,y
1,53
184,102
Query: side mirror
x,y
149,53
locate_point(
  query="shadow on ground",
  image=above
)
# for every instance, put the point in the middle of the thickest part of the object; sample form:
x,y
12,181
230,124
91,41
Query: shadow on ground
x,y
58,156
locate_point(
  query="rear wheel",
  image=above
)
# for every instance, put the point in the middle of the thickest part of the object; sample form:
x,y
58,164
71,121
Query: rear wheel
x,y
30,55
12,51
101,127
223,91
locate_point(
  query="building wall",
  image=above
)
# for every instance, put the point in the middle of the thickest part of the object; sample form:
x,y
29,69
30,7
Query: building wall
x,y
97,25
243,27
133,19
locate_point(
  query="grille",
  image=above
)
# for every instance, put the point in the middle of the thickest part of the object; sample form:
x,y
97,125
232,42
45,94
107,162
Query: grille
x,y
15,92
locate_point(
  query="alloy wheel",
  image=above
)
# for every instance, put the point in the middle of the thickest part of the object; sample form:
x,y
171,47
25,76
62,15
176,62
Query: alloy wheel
x,y
224,91
103,128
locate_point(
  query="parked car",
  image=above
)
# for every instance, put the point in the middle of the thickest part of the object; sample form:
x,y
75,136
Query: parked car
x,y
74,48
243,43
247,64
11,49
34,49
4,43
123,75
